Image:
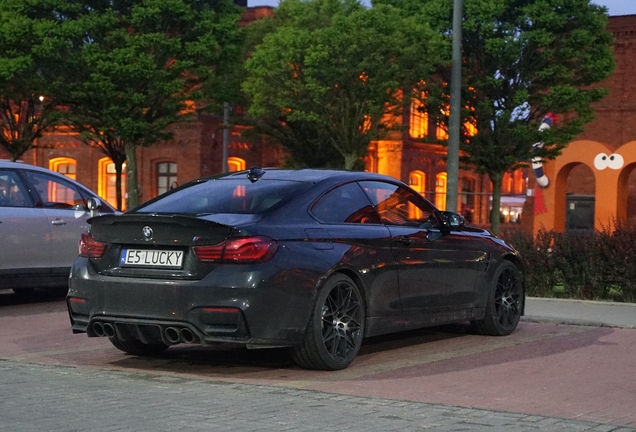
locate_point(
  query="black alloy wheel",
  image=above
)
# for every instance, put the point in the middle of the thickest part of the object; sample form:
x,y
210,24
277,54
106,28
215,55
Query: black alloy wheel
x,y
336,327
138,348
505,302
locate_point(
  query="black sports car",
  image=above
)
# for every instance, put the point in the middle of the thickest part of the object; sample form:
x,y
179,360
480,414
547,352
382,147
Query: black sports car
x,y
314,260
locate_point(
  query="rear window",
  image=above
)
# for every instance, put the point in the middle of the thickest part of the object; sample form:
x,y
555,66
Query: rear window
x,y
238,196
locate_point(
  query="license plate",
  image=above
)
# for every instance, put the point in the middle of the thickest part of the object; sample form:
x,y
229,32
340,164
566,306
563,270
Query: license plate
x,y
151,258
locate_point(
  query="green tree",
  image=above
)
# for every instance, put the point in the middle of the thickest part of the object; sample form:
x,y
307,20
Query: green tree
x,y
141,63
523,59
29,68
336,67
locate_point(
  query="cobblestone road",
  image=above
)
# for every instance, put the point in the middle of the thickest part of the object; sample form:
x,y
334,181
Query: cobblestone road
x,y
58,398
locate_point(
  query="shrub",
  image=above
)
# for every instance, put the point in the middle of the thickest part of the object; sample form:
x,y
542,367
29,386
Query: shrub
x,y
589,265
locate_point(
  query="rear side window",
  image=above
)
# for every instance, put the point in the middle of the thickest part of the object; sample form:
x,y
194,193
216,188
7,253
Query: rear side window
x,y
238,196
12,191
345,204
399,206
55,192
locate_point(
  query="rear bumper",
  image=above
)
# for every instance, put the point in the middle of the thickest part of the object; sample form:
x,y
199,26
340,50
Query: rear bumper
x,y
260,305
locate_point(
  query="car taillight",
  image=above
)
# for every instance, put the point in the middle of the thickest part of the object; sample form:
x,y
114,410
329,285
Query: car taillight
x,y
91,248
241,250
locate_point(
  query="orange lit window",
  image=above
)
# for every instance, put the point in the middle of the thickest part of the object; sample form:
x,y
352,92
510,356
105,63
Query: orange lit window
x,y
470,128
235,164
519,182
64,166
507,183
189,107
416,181
418,125
440,191
441,132
106,182
366,125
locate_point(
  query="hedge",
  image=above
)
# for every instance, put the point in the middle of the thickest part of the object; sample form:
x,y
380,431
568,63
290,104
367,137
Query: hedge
x,y
598,265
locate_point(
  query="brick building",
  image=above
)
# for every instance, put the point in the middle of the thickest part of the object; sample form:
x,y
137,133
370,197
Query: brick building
x,y
588,191
197,150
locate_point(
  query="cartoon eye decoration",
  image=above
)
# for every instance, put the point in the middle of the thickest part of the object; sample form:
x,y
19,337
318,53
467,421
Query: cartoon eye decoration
x,y
613,161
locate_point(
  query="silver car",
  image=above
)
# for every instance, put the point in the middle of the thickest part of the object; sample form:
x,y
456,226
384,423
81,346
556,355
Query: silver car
x,y
42,216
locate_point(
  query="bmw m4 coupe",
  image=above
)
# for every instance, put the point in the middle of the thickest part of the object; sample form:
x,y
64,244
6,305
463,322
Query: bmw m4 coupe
x,y
313,260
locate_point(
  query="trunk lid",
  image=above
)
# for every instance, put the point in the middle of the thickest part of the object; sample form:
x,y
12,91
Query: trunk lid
x,y
155,246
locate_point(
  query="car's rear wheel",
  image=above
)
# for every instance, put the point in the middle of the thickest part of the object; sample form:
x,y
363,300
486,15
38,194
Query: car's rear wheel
x,y
336,327
137,347
505,302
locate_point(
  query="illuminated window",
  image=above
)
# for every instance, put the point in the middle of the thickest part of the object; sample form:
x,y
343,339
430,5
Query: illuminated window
x,y
519,182
166,177
106,182
418,126
417,181
440,191
235,164
470,129
64,166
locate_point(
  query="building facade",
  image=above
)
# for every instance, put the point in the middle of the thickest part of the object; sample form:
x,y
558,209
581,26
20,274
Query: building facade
x,y
577,187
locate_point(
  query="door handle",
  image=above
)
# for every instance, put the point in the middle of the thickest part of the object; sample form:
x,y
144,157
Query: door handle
x,y
58,222
404,241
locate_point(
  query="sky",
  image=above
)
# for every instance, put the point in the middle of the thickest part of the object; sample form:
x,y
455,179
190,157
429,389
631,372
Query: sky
x,y
616,7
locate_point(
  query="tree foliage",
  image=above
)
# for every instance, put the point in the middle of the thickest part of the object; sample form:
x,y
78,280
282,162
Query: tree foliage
x,y
140,66
523,59
29,70
335,70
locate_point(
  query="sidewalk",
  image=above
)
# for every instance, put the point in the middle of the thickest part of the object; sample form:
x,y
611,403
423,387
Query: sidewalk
x,y
580,312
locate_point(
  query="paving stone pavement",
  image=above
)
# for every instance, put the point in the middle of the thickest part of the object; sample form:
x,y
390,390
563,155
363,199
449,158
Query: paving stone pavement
x,y
58,398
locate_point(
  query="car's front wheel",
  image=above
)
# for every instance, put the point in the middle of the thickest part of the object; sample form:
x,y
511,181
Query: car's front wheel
x,y
336,327
505,302
138,348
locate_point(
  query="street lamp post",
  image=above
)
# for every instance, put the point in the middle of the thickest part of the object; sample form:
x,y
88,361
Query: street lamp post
x,y
226,135
454,123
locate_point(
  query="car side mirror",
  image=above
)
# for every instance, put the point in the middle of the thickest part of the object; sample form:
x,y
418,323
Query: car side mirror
x,y
454,220
93,205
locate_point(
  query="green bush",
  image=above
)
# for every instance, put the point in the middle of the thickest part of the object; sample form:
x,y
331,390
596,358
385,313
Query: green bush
x,y
599,265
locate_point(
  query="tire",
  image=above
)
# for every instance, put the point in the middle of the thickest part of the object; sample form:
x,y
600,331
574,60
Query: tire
x,y
336,327
505,303
138,348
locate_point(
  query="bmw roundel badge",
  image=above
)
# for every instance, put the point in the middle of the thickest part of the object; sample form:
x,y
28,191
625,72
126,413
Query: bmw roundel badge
x,y
147,232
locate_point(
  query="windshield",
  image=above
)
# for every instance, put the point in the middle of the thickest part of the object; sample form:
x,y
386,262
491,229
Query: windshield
x,y
238,196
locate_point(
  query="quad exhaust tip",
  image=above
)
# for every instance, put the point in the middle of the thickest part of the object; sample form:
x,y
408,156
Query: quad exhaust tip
x,y
173,335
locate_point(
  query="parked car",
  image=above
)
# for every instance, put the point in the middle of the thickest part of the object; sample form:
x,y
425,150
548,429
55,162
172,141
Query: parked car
x,y
314,260
42,215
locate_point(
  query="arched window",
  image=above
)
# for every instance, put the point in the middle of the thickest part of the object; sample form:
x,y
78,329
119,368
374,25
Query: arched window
x,y
166,176
440,191
235,164
66,166
106,182
417,180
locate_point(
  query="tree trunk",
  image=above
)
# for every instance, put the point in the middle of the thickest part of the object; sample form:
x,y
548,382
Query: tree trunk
x,y
118,170
350,161
495,220
131,176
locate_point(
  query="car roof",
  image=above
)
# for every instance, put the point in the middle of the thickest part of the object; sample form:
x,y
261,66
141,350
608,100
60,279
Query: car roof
x,y
5,163
313,175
